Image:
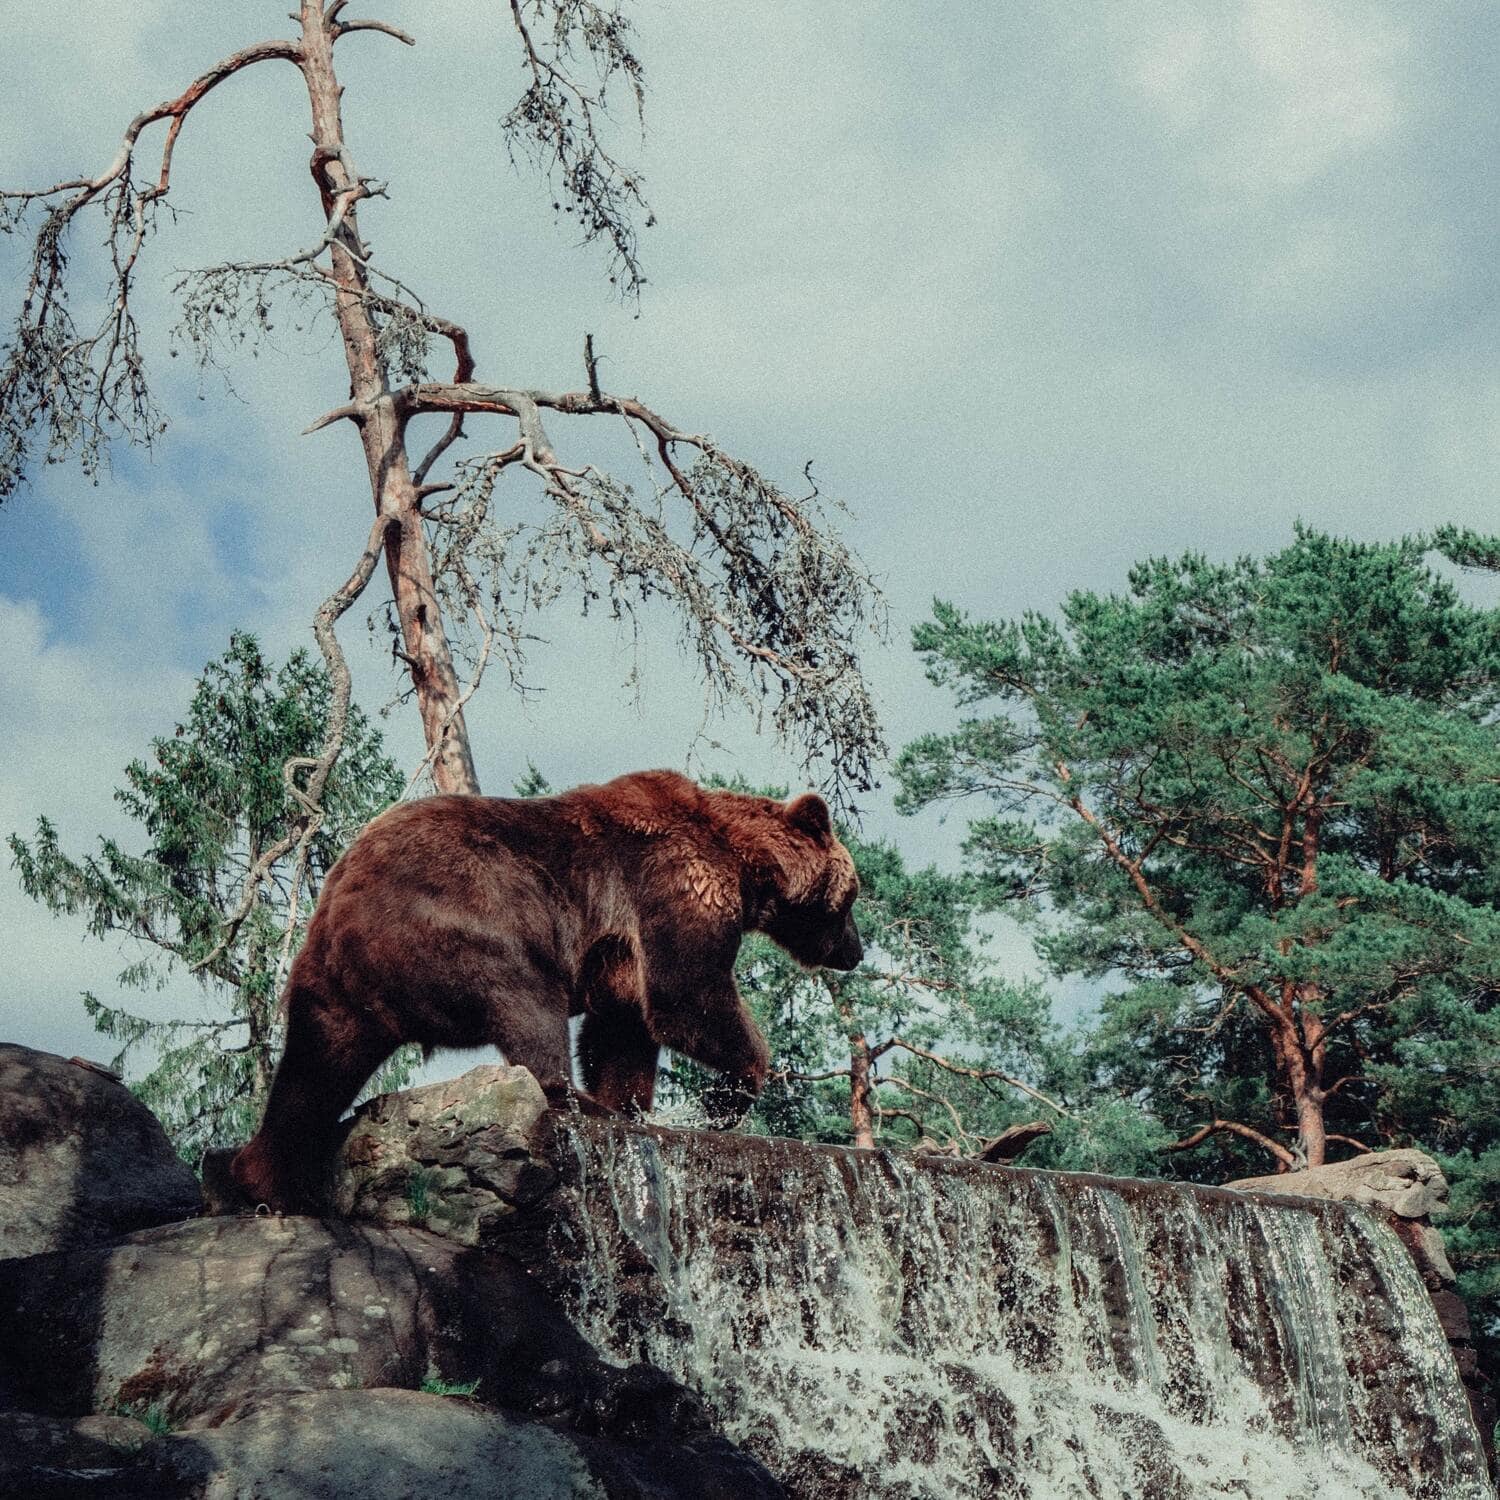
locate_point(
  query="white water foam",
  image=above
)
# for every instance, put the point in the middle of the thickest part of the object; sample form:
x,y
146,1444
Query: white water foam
x,y
886,1326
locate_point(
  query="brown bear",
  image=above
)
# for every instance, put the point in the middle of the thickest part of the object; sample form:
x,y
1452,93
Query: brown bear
x,y
465,921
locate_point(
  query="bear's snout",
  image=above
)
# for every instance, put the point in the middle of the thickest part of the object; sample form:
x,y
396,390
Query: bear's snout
x,y
848,950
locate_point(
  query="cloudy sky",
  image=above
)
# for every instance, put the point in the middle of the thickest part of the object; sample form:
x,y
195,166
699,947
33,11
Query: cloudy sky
x,y
1041,290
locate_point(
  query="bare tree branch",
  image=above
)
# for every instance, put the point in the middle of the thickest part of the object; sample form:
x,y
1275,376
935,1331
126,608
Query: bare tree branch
x,y
1233,1127
343,28
86,387
960,1134
769,600
1349,1140
556,123
978,1074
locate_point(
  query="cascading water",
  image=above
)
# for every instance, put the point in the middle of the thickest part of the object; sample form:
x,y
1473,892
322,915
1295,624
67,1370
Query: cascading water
x,y
906,1328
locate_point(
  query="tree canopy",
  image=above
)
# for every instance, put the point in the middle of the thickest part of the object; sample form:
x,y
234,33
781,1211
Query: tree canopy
x,y
1259,803
1261,799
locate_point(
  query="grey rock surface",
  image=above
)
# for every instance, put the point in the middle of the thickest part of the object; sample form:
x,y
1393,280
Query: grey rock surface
x,y
42,1455
457,1158
202,1316
221,1326
1408,1183
82,1161
378,1445
381,1444
394,1444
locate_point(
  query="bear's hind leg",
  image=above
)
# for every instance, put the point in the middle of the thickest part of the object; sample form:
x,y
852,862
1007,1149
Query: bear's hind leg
x,y
332,1048
618,1057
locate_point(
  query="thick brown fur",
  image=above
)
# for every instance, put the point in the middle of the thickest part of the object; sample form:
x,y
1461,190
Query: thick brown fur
x,y
464,921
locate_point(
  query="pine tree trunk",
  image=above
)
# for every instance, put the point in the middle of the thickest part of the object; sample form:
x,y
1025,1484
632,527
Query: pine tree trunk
x,y
1311,1127
861,1116
1311,1046
382,432
1298,1051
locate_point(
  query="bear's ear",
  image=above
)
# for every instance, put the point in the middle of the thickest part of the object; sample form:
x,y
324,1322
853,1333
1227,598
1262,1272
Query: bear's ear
x,y
809,814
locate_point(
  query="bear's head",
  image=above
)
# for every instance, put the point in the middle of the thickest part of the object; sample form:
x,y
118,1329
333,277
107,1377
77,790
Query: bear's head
x,y
808,902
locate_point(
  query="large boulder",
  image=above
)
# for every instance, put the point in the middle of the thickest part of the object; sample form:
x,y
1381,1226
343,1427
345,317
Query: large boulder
x,y
1408,1183
196,1319
82,1161
389,1445
382,1444
215,1321
458,1157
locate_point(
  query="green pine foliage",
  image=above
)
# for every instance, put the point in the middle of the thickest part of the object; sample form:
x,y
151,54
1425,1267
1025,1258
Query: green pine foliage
x,y
207,802
1259,804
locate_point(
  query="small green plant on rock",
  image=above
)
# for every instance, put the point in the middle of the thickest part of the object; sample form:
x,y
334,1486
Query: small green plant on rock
x,y
435,1385
418,1198
154,1416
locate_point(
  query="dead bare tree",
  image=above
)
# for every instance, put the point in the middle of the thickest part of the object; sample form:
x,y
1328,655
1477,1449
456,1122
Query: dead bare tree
x,y
771,603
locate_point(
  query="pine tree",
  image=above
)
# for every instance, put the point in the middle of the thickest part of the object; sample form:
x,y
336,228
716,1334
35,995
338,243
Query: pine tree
x,y
210,801
1259,802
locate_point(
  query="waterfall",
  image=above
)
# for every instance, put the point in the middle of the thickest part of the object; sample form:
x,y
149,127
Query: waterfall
x,y
912,1328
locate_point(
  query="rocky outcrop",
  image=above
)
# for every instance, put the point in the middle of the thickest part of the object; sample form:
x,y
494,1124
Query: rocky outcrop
x,y
869,1325
1408,1188
82,1161
282,1357
458,1157
1408,1183
196,1319
223,1321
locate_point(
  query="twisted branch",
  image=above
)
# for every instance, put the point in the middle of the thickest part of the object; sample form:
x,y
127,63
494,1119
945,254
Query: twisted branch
x,y
307,822
979,1075
1233,1127
758,584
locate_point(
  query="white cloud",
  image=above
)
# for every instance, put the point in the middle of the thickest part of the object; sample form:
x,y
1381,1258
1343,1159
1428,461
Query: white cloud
x,y
72,721
1268,95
